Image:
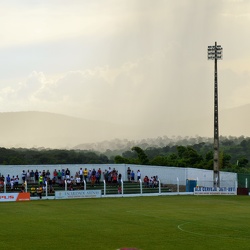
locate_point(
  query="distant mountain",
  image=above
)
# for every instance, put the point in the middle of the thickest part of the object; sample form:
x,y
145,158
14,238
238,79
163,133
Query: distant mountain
x,y
42,129
233,122
48,130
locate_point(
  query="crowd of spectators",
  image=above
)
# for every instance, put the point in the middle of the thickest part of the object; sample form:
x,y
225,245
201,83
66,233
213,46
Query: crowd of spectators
x,y
112,177
151,182
64,177
59,178
11,182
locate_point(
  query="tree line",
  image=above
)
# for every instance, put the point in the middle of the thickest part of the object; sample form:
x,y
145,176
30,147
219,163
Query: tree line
x,y
49,156
234,155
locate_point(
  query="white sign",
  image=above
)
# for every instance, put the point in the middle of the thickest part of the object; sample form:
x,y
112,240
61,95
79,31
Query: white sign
x,y
78,194
215,191
4,197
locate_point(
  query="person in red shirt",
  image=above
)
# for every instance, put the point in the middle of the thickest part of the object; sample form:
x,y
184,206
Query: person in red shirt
x,y
114,178
99,175
146,181
1,184
55,173
93,179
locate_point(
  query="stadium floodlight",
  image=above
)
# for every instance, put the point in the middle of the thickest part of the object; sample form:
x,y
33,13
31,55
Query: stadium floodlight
x,y
215,53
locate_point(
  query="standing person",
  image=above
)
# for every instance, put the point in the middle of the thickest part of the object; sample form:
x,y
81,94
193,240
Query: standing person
x,y
114,177
89,175
67,173
36,176
47,174
132,176
97,175
8,181
24,176
106,175
109,178
138,175
93,179
32,176
109,170
1,184
85,174
41,179
12,181
33,190
129,174
156,181
81,174
93,172
40,191
16,182
119,179
50,186
55,175
78,181
146,181
59,176
63,174
28,176
22,188
100,173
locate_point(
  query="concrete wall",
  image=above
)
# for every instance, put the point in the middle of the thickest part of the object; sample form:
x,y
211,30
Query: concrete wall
x,y
167,175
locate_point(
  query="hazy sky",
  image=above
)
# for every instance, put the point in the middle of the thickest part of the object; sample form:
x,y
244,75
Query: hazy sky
x,y
126,61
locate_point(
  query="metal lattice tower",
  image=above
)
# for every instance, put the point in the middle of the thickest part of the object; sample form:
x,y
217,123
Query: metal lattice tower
x,y
215,53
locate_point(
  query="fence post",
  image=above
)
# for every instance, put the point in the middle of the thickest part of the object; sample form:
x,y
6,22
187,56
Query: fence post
x,y
159,183
26,186
178,187
122,185
140,185
85,185
65,184
4,187
46,193
246,183
104,186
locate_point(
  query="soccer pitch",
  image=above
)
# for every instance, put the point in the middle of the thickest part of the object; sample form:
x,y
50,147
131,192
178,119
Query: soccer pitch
x,y
146,223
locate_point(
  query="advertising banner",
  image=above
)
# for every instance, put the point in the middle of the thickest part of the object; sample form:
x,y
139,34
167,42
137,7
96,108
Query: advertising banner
x,y
78,194
214,191
5,197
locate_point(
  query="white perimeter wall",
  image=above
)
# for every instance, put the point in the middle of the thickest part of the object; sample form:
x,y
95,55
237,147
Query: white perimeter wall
x,y
167,175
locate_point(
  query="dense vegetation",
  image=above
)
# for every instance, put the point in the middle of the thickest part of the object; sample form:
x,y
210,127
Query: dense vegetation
x,y
49,156
234,155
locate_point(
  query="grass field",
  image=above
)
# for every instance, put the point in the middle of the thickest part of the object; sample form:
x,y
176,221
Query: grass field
x,y
147,223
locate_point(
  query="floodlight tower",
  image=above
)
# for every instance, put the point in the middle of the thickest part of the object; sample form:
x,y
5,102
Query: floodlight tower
x,y
215,53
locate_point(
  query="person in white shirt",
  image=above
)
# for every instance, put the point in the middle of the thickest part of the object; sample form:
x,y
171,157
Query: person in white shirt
x,y
81,174
138,175
78,181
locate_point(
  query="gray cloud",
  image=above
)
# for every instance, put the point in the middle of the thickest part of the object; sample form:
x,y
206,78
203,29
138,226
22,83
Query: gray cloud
x,y
129,62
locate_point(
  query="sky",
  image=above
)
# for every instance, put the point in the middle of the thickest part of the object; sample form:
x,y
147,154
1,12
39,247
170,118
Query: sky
x,y
123,61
